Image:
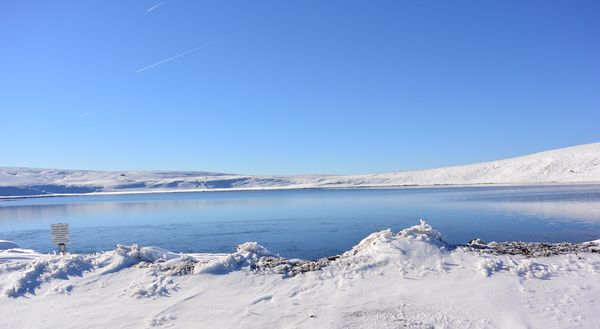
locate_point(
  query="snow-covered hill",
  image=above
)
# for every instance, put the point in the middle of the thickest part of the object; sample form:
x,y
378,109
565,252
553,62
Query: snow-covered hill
x,y
578,164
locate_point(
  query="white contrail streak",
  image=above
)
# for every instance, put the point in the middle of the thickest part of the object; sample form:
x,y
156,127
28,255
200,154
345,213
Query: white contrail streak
x,y
154,7
176,56
87,114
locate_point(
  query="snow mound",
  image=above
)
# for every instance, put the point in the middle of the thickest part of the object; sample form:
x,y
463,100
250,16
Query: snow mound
x,y
26,276
371,242
161,285
417,251
524,268
254,249
246,256
422,232
161,272
127,256
489,266
30,273
17,254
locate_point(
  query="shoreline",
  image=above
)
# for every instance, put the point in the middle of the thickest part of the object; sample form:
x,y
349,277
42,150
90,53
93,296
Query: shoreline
x,y
387,280
288,188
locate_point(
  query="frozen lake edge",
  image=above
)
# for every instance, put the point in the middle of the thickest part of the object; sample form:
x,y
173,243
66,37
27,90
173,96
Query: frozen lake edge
x,y
411,278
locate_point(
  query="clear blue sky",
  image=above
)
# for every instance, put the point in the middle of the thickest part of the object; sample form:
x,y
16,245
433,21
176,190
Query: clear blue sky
x,y
289,87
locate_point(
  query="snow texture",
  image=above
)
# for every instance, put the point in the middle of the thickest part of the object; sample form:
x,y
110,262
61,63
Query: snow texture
x,y
412,279
578,164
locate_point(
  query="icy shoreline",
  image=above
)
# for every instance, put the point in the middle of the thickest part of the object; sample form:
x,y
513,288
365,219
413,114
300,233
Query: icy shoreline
x,y
411,278
224,190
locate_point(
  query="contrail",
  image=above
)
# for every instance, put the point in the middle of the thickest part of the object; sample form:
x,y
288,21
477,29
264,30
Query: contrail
x,y
87,113
176,56
154,7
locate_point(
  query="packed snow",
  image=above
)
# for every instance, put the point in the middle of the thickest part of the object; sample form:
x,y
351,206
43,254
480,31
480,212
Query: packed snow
x,y
578,164
412,279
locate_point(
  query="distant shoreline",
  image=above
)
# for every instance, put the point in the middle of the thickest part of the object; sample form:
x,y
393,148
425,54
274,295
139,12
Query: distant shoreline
x,y
275,188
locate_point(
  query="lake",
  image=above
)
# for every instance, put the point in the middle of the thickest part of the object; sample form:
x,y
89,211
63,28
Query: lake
x,y
303,223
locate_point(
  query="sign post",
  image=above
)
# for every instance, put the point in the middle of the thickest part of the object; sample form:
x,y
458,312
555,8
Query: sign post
x,y
60,236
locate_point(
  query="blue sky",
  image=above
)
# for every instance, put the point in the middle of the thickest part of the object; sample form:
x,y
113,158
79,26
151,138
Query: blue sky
x,y
289,87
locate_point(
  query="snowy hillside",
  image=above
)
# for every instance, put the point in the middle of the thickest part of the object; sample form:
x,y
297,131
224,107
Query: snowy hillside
x,y
576,164
410,279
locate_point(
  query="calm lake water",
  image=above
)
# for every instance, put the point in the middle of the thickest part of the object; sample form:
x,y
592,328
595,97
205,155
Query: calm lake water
x,y
304,223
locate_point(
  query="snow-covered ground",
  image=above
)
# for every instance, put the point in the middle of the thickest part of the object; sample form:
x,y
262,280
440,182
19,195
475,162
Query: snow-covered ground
x,y
578,164
408,279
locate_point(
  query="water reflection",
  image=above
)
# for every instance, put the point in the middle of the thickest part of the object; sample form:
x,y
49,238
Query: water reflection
x,y
558,211
304,223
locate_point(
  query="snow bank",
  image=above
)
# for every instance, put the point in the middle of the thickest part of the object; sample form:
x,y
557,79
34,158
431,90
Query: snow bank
x,y
411,278
127,256
27,271
17,254
26,276
419,247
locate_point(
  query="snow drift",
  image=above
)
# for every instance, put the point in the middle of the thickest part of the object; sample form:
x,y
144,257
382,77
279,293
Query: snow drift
x,y
412,278
578,164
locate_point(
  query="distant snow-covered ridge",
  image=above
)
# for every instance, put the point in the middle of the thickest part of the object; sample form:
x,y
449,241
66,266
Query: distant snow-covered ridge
x,y
578,164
